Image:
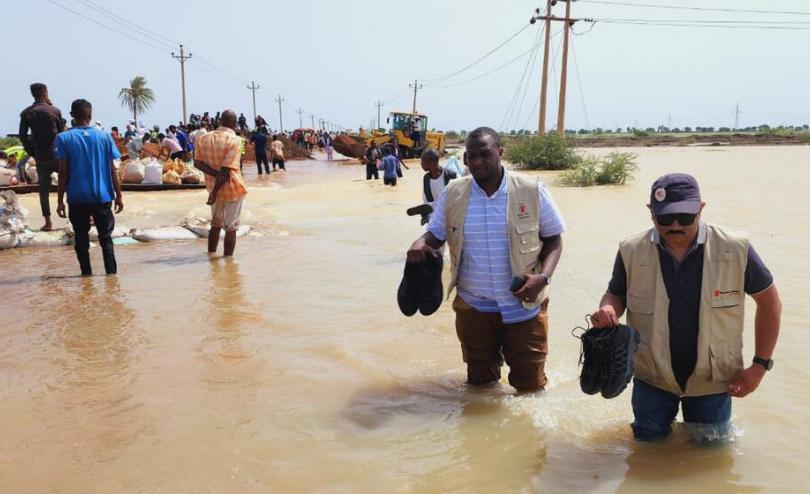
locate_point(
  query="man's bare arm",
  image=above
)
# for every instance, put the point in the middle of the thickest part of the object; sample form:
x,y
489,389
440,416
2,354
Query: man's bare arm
x,y
549,257
766,331
611,308
119,196
64,171
426,245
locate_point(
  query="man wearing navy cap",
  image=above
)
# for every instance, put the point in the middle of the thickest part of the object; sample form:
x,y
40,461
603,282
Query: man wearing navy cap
x,y
683,284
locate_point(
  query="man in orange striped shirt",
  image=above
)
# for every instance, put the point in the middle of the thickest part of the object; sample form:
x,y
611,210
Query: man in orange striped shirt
x,y
217,155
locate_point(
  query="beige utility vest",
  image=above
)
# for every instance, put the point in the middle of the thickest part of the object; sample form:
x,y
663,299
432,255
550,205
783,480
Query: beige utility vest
x,y
722,304
523,224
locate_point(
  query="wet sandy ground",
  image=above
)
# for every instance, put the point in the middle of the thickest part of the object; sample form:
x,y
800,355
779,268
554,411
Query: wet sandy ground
x,y
290,368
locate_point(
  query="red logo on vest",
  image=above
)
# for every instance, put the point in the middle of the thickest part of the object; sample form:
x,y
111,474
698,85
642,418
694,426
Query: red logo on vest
x,y
522,212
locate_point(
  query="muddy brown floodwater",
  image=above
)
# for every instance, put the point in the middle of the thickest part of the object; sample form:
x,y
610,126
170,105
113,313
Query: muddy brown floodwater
x,y
290,369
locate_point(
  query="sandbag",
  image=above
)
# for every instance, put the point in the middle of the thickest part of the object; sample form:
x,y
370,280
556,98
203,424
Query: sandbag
x,y
118,232
202,227
174,165
12,220
7,176
31,171
162,234
30,238
132,172
192,176
153,174
171,177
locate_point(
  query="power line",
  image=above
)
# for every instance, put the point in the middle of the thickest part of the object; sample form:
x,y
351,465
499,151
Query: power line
x,y
124,22
702,9
676,23
459,71
579,83
706,21
94,21
490,71
510,109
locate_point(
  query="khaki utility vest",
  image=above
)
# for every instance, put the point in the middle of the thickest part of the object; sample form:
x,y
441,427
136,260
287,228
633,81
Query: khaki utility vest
x,y
523,220
722,311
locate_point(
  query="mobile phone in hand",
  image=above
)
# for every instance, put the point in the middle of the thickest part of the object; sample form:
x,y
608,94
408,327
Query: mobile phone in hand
x,y
517,283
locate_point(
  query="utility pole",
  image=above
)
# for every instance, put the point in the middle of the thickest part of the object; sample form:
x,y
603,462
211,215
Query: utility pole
x,y
669,121
280,121
541,126
415,86
564,72
182,57
312,120
378,104
253,87
300,112
737,116
569,23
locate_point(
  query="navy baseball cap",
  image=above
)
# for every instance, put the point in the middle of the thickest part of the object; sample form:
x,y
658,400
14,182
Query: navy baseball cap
x,y
675,193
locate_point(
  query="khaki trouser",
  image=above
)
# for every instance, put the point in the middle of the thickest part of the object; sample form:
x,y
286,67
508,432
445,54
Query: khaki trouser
x,y
486,342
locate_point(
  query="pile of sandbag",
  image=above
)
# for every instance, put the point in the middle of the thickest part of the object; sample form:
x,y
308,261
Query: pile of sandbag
x,y
150,171
12,220
351,147
132,172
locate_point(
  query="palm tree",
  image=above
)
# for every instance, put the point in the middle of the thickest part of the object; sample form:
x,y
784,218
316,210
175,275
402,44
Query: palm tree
x,y
137,97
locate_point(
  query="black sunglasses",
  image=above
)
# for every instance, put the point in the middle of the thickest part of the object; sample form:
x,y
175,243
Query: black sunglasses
x,y
684,219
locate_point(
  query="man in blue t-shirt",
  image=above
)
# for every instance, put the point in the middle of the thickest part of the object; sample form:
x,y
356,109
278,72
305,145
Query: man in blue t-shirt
x,y
389,167
88,174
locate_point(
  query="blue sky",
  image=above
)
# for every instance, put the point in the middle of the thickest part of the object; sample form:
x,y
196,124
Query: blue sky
x,y
335,59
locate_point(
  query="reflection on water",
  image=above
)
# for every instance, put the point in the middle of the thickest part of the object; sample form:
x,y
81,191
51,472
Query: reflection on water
x,y
289,368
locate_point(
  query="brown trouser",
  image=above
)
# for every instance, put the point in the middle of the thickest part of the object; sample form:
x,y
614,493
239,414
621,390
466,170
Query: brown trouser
x,y
486,342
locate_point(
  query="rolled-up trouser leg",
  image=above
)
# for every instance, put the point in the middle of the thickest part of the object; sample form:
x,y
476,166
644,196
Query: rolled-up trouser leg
x,y
525,348
481,335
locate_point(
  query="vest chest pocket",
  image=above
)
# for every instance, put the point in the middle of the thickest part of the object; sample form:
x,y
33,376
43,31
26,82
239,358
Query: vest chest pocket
x,y
528,235
726,299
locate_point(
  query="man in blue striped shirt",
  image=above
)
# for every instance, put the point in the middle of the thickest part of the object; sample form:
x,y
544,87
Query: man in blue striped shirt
x,y
498,225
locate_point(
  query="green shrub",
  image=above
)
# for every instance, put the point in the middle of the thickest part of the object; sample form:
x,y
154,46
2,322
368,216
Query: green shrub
x,y
617,169
641,133
614,169
547,152
7,142
804,137
584,174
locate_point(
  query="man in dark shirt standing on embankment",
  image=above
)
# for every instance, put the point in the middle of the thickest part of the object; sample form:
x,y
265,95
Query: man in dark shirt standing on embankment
x,y
45,122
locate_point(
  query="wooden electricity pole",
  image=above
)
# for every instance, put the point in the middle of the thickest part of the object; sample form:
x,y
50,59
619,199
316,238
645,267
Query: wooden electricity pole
x,y
564,73
544,84
280,121
379,105
568,23
415,87
300,112
253,87
182,58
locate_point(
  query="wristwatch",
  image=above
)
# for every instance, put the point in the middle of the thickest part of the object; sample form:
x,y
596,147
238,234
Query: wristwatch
x,y
546,277
767,363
